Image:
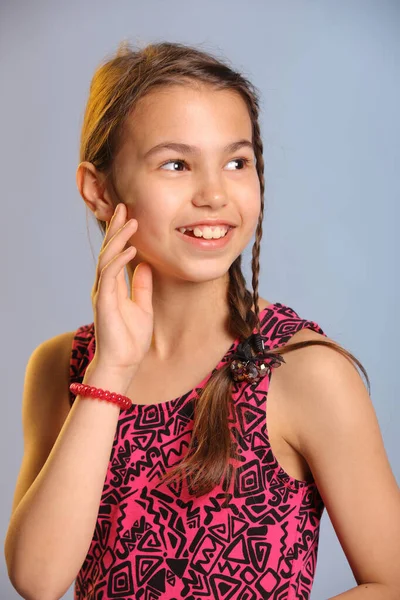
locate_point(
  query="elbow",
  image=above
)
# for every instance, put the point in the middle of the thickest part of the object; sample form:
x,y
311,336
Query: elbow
x,y
29,590
26,591
32,590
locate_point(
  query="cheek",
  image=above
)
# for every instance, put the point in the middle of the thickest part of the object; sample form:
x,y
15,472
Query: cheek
x,y
153,202
249,218
250,207
153,214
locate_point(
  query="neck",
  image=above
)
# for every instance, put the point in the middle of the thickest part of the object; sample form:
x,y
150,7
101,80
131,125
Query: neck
x,y
187,314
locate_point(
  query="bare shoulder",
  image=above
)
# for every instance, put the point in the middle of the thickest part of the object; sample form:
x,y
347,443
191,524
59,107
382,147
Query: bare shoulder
x,y
262,303
305,335
49,368
307,383
45,406
49,363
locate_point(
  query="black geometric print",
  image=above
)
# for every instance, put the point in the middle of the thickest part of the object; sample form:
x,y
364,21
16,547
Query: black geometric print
x,y
156,541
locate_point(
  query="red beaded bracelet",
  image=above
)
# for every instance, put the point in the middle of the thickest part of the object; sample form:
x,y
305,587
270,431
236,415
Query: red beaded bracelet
x,y
86,390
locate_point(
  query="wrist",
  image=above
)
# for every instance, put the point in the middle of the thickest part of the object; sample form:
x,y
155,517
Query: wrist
x,y
113,380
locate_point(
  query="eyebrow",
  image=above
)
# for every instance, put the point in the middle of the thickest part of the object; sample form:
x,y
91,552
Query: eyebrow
x,y
187,149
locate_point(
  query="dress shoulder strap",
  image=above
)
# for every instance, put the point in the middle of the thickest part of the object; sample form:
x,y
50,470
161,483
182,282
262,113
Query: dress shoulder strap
x,y
280,322
81,355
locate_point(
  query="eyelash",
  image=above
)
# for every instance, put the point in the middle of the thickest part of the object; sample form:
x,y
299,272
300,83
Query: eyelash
x,y
247,162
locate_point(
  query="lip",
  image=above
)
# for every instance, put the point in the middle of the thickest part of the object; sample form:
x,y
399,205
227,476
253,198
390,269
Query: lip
x,y
204,244
209,224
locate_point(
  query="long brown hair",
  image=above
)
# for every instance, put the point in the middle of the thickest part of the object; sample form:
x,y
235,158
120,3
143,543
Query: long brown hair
x,y
116,87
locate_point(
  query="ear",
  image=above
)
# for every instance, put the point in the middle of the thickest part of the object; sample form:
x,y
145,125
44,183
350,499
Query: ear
x,y
92,187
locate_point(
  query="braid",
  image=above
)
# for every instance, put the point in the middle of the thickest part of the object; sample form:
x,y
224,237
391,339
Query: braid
x,y
240,301
258,149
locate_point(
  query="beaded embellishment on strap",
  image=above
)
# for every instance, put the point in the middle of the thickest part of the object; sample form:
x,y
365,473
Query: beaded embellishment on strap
x,y
251,368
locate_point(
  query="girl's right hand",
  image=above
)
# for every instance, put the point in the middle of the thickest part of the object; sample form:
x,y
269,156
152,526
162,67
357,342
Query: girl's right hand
x,y
123,323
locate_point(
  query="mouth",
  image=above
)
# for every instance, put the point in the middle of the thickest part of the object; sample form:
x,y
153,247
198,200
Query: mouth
x,y
206,244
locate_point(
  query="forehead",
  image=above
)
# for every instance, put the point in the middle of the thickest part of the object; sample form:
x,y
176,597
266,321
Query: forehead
x,y
199,115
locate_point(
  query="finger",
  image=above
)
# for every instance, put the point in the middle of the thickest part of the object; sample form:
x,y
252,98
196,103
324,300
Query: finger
x,y
122,287
109,232
115,244
142,287
116,222
123,292
108,277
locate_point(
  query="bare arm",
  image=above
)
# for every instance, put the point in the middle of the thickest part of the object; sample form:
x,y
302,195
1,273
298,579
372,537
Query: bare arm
x,y
52,526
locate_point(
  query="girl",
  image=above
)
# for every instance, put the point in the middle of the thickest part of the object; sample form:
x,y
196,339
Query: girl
x,y
181,484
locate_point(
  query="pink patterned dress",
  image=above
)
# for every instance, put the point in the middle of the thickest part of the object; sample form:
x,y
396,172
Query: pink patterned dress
x,y
157,542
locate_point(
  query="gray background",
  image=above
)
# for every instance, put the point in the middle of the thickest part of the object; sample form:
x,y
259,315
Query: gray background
x,y
329,77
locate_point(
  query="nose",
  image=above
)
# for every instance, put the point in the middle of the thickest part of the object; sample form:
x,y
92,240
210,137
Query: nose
x,y
210,191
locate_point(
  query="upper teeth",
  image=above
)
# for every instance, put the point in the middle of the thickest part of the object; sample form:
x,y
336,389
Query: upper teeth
x,y
206,232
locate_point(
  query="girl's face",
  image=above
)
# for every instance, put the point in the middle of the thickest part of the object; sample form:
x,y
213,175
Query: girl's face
x,y
165,189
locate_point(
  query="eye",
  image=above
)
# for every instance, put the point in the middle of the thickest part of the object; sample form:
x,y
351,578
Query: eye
x,y
244,160
174,161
